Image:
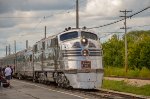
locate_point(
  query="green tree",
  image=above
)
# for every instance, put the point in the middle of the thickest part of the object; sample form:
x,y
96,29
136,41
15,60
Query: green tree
x,y
138,50
113,52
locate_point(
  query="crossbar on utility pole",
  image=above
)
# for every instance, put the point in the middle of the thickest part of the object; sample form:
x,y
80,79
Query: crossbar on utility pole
x,y
126,44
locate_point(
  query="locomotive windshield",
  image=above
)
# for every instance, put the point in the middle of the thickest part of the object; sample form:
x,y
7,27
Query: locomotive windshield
x,y
89,35
69,35
74,34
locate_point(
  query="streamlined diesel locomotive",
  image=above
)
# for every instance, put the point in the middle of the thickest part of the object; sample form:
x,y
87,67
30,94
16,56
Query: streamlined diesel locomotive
x,y
72,58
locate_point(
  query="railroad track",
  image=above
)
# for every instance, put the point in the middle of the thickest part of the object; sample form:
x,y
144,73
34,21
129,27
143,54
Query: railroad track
x,y
107,94
100,94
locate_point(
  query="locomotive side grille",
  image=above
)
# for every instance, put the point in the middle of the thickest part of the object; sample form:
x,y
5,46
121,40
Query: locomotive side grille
x,y
67,53
92,52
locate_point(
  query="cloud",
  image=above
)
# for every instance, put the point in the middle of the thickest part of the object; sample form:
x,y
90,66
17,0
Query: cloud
x,y
32,5
29,17
103,7
111,8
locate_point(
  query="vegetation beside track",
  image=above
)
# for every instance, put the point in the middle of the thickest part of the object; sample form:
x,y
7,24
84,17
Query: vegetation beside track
x,y
144,73
138,61
121,86
138,54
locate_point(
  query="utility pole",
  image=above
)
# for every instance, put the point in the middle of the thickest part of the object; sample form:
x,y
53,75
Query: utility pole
x,y
45,31
26,44
126,45
15,60
15,46
77,14
9,49
6,50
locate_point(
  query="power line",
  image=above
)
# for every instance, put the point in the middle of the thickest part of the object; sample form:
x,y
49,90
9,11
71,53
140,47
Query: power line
x,y
105,35
120,19
20,17
106,24
112,32
139,12
141,26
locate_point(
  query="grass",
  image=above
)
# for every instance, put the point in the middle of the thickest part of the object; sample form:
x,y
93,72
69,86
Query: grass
x,y
123,87
114,71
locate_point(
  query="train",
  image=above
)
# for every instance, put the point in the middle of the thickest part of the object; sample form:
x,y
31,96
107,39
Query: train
x,y
71,59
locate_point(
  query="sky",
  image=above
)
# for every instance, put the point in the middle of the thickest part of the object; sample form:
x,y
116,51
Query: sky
x,y
23,20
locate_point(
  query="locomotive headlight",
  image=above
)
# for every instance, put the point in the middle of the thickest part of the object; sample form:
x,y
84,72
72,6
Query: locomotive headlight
x,y
84,41
85,52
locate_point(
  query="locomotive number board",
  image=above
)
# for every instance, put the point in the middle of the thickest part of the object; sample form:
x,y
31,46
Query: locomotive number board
x,y
85,64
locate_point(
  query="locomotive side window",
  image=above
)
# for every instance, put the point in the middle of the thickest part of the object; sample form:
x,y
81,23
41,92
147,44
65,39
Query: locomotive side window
x,y
54,42
40,46
26,58
69,35
48,43
89,35
43,45
30,58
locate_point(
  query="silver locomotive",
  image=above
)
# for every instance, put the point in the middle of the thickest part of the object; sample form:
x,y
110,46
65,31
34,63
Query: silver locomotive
x,y
72,58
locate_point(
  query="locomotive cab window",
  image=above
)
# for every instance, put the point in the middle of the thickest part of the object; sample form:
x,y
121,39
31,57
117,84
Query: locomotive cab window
x,y
68,36
89,35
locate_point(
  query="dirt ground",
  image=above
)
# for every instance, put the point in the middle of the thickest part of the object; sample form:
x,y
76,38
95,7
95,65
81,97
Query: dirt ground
x,y
134,82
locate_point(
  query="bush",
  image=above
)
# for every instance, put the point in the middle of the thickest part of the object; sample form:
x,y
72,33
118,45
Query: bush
x,y
133,73
144,73
115,71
